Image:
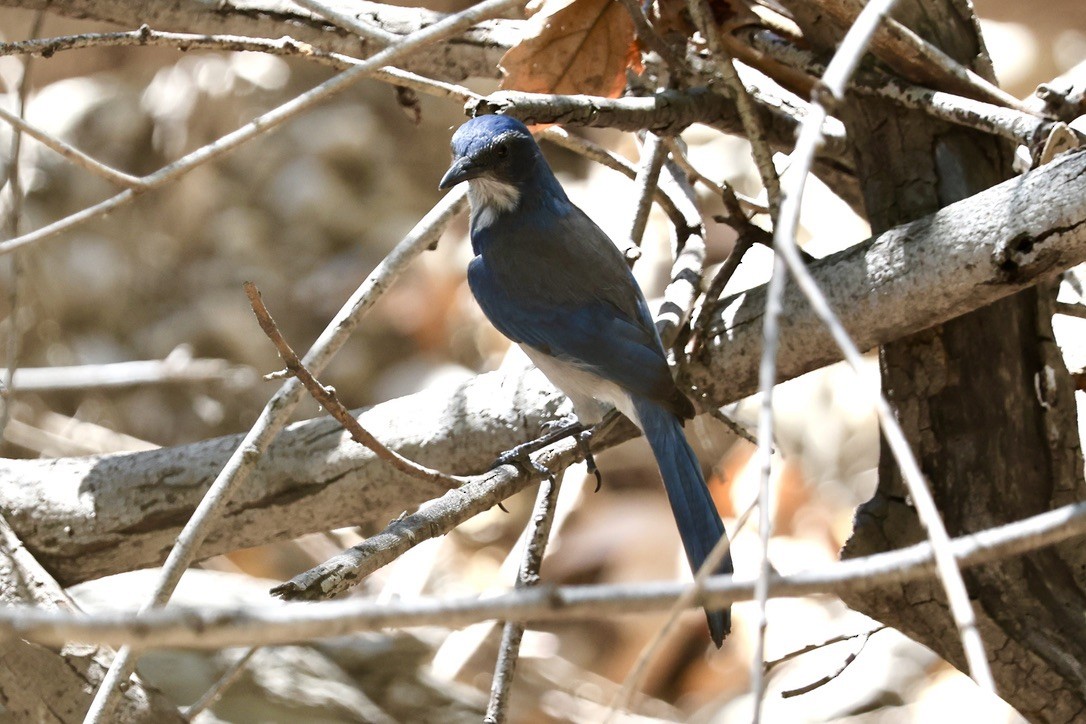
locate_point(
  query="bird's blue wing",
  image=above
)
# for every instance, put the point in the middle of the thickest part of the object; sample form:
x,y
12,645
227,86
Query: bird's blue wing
x,y
592,333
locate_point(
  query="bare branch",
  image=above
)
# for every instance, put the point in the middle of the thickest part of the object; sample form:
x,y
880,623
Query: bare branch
x,y
963,257
653,153
651,39
754,130
770,665
68,151
475,54
348,22
207,629
666,112
918,60
1071,310
179,367
284,46
670,111
1016,125
13,218
688,251
806,689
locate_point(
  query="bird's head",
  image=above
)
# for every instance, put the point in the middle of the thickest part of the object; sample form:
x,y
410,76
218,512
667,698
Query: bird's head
x,y
498,155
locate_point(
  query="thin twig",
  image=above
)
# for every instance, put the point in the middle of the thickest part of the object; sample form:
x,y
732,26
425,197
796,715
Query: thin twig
x,y
217,689
834,82
744,103
688,251
914,57
808,688
1011,123
528,576
733,200
326,397
721,416
968,79
652,39
70,152
208,628
451,25
767,380
653,152
770,665
745,242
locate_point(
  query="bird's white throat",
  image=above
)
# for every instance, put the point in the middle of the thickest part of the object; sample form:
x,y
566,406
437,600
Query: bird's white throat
x,y
489,198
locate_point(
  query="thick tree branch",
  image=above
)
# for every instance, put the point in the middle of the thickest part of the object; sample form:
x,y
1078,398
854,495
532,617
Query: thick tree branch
x,y
912,277
106,514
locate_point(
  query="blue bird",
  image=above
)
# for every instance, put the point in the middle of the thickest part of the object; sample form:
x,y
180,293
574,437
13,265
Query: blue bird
x,y
551,280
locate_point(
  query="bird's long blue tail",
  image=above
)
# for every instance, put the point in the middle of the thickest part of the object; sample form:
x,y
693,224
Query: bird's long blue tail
x,y
699,524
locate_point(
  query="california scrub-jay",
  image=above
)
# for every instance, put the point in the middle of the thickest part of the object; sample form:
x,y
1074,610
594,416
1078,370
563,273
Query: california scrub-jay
x,y
549,279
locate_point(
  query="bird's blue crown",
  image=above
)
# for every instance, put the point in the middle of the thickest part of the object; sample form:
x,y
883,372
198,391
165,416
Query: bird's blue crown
x,y
482,130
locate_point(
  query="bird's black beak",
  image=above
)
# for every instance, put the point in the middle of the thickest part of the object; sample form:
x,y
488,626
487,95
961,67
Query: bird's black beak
x,y
462,169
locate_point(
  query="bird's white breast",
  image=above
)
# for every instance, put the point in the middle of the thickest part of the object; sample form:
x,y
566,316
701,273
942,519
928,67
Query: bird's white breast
x,y
591,394
489,198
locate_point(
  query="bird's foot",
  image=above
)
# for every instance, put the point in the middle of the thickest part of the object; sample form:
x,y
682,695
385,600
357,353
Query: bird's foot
x,y
552,432
521,455
584,444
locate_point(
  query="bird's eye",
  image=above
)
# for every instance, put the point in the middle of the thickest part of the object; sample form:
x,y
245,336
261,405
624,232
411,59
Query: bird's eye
x,y
502,150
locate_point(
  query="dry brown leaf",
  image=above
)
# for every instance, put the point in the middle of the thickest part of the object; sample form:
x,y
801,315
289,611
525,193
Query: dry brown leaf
x,y
581,46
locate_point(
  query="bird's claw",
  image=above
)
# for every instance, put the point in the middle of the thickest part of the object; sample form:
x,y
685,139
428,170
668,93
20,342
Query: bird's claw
x,y
521,455
584,444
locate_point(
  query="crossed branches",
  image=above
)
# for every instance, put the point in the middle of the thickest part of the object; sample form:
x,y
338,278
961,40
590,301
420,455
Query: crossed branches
x,y
766,116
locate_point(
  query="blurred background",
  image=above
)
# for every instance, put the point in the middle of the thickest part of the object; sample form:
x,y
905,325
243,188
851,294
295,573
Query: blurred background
x,y
306,212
